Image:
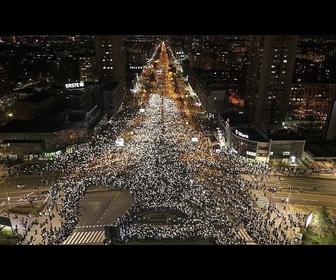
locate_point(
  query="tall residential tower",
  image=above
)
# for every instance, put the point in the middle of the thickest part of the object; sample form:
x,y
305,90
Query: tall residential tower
x,y
110,57
5,87
269,78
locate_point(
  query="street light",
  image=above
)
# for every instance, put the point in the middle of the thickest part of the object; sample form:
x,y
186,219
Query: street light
x,y
289,192
50,218
8,198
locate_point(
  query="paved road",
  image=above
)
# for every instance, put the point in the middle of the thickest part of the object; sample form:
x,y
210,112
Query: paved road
x,y
99,208
302,197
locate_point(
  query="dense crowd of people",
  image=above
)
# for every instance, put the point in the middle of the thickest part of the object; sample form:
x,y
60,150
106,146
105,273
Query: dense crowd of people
x,y
165,170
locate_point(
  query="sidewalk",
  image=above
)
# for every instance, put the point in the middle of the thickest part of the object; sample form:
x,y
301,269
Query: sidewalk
x,y
37,228
329,176
262,202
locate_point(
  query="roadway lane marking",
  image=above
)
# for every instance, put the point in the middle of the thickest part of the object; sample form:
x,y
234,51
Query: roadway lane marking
x,y
82,237
243,233
310,199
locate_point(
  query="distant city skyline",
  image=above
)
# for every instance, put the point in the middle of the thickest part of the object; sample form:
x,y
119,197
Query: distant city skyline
x,y
279,82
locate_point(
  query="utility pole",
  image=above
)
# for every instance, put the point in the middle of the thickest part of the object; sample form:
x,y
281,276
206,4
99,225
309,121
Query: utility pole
x,y
289,192
8,198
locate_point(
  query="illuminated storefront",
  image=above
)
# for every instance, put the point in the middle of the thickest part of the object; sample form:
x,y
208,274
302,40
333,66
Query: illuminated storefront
x,y
289,151
250,143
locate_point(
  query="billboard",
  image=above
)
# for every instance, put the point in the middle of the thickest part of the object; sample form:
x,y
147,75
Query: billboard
x,y
74,85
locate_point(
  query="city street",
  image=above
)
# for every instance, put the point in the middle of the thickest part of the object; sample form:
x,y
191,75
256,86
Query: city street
x,y
303,190
146,161
99,208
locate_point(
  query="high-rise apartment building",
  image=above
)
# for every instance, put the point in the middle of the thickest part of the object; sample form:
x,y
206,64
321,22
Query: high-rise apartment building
x,y
269,78
330,128
87,66
4,82
310,102
110,57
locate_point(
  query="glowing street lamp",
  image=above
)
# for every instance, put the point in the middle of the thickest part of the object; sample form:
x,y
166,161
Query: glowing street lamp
x,y
289,192
8,198
309,219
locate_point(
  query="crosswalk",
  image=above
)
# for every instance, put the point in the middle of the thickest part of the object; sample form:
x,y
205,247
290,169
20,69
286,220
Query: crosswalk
x,y
86,238
243,234
262,201
93,226
97,237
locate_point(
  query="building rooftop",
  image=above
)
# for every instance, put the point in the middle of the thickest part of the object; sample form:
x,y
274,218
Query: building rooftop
x,y
110,86
33,126
21,141
321,148
285,134
250,133
38,97
235,119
